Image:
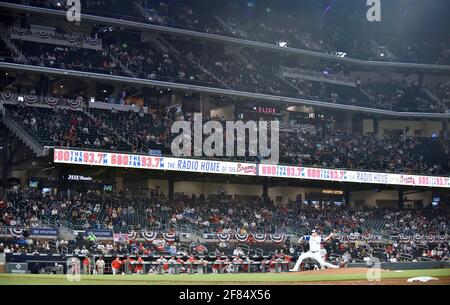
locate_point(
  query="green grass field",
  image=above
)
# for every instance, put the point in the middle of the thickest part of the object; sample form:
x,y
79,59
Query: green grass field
x,y
261,278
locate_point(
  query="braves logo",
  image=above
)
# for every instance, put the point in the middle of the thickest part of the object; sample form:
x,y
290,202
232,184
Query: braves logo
x,y
407,180
248,169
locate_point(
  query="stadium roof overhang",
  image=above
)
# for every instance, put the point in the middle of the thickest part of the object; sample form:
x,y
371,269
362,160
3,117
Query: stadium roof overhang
x,y
216,91
230,40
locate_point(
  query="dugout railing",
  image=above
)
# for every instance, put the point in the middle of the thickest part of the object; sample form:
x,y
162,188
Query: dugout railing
x,y
151,264
204,267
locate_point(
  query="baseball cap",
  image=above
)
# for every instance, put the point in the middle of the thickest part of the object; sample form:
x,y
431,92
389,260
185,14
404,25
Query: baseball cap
x,y
313,231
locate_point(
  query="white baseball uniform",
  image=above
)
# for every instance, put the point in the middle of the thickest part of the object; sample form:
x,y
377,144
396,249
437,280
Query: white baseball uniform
x,y
314,253
101,266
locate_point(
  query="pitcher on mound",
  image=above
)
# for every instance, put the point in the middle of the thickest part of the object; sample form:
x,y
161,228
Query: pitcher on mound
x,y
314,251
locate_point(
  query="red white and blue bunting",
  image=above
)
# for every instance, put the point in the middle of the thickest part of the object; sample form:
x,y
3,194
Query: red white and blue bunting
x,y
293,126
169,236
339,237
52,101
367,237
224,237
8,97
148,236
71,38
30,99
260,238
404,237
277,238
19,31
241,237
441,238
431,238
352,237
92,41
75,103
43,35
418,237
16,232
132,234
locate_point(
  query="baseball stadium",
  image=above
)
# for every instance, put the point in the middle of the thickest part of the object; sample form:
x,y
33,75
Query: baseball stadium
x,y
256,142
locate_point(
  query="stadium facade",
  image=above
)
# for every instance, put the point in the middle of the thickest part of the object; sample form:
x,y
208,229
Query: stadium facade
x,y
87,107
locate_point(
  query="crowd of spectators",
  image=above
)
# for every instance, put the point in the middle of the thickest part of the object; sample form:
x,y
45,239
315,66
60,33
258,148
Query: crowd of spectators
x,y
325,147
348,252
220,214
307,27
200,66
63,127
68,57
211,214
344,150
212,66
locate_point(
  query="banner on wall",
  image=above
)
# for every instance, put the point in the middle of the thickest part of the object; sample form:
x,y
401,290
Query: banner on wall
x,y
342,175
153,162
99,233
121,237
239,168
48,232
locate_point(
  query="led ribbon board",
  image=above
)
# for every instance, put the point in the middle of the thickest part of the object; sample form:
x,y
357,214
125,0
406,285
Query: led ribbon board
x,y
343,175
153,162
239,168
